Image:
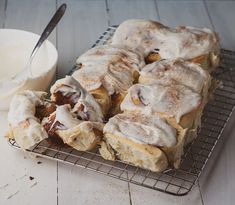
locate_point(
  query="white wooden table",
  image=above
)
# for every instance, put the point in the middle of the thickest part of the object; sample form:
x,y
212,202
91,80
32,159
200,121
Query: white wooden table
x,y
56,183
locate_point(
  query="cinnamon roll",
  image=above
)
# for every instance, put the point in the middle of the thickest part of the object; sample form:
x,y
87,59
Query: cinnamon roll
x,y
64,124
157,41
177,103
107,72
147,141
24,126
69,91
186,73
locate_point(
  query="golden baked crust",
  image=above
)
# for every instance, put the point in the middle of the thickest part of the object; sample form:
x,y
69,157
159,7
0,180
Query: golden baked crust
x,y
102,98
121,143
79,134
83,137
145,156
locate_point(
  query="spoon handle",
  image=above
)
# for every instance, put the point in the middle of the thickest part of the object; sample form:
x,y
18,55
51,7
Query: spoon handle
x,y
49,28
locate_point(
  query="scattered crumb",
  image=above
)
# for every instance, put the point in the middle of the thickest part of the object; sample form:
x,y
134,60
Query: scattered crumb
x,y
34,184
39,162
9,197
25,157
31,178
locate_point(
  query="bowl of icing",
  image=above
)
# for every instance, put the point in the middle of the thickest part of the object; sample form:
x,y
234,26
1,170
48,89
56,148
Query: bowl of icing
x,y
16,47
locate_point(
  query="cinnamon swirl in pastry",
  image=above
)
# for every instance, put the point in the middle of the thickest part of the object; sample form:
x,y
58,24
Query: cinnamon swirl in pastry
x,y
156,41
69,91
107,72
81,135
177,103
24,125
142,140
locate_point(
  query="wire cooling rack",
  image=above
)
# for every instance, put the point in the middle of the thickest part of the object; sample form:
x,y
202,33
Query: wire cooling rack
x,y
177,182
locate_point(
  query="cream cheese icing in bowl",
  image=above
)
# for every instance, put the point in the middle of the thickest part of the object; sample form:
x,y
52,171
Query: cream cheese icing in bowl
x,y
16,47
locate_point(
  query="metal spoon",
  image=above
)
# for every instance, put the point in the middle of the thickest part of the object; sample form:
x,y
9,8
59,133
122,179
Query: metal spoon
x,y
47,31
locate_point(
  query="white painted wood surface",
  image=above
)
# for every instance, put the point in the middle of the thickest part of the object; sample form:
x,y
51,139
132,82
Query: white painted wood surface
x,y
55,183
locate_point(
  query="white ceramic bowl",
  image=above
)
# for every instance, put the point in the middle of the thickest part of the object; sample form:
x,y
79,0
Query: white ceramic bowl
x,y
16,47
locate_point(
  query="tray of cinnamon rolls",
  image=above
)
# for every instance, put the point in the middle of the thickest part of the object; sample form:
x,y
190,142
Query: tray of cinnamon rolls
x,y
141,105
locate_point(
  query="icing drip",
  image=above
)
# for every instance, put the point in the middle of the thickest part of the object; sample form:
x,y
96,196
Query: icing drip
x,y
64,116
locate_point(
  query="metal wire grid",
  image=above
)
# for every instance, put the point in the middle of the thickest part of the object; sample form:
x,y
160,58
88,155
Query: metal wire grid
x,y
176,182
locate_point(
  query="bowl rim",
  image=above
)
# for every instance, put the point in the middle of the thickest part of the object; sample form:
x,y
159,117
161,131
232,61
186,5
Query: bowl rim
x,y
52,46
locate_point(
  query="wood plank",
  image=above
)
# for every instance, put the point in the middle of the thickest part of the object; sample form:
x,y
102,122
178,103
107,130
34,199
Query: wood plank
x,y
17,167
30,15
217,181
175,13
222,14
80,186
126,9
2,12
219,173
140,195
78,30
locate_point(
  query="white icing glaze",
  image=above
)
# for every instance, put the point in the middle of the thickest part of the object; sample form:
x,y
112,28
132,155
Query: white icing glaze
x,y
68,120
23,106
64,116
109,66
183,72
185,42
143,129
21,116
82,99
170,99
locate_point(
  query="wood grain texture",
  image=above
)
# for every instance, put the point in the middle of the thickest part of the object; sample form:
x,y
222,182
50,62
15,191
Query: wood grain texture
x,y
175,13
82,24
222,15
126,9
16,166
